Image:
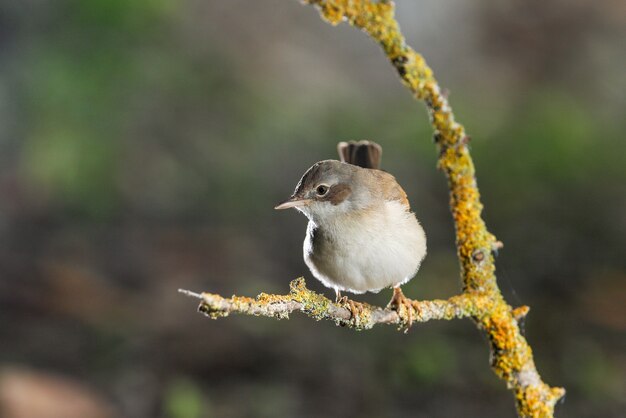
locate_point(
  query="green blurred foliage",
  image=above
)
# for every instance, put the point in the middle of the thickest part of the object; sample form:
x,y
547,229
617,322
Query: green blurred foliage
x,y
431,361
183,399
592,372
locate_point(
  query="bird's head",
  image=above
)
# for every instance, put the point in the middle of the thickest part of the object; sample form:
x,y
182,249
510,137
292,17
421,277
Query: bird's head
x,y
329,189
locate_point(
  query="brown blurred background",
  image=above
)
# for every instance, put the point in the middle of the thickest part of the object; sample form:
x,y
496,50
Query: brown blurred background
x,y
143,145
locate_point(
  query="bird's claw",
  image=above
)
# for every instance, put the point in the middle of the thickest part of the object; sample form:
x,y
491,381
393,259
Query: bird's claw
x,y
355,308
403,306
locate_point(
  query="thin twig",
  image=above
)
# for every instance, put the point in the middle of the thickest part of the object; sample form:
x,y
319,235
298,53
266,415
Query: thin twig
x,y
318,306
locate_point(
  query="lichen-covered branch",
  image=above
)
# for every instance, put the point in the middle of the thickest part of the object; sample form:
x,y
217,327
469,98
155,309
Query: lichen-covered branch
x,y
481,300
320,307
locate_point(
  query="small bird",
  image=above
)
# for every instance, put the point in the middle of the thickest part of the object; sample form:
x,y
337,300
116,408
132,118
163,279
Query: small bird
x,y
362,236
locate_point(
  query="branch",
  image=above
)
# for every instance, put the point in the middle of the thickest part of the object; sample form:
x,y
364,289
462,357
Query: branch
x,y
319,307
511,356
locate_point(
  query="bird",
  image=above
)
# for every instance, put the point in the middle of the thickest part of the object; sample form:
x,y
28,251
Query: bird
x,y
362,235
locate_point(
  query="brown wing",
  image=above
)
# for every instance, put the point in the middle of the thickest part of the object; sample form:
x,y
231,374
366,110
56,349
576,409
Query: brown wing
x,y
389,187
365,154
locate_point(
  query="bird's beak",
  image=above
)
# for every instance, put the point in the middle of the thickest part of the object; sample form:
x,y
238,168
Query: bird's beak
x,y
292,202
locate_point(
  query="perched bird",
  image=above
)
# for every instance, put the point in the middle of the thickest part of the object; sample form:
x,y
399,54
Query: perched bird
x,y
362,235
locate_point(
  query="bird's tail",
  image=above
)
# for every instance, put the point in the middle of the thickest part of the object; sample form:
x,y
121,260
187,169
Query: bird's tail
x,y
365,154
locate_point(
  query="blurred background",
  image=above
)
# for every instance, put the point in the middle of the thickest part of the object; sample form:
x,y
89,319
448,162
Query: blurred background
x,y
143,145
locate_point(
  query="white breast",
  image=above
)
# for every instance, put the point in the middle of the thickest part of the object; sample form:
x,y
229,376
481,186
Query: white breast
x,y
368,251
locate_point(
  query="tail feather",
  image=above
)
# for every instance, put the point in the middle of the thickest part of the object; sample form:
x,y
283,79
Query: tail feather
x,y
366,154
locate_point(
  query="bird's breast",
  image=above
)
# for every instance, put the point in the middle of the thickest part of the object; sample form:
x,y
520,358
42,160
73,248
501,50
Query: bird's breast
x,y
366,251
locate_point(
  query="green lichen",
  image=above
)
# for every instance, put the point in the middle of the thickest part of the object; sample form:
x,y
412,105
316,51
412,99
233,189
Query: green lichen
x,y
314,304
317,306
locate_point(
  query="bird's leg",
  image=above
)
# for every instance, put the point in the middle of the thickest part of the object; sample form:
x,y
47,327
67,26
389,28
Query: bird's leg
x,y
338,298
398,300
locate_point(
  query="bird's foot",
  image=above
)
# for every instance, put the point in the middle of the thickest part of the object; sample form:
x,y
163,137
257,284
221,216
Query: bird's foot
x,y
402,305
355,308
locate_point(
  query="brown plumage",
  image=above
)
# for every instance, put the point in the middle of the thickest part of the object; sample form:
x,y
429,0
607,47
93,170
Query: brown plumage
x,y
367,154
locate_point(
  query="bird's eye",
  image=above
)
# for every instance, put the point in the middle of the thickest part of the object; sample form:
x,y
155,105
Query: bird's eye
x,y
321,190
